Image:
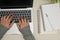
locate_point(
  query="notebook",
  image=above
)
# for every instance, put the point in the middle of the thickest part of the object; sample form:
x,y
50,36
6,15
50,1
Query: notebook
x,y
50,17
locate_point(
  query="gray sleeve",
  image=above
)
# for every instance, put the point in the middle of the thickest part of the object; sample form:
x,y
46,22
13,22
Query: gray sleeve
x,y
27,34
3,30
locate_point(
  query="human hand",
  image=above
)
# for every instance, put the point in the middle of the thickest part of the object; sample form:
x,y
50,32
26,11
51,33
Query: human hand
x,y
23,22
6,21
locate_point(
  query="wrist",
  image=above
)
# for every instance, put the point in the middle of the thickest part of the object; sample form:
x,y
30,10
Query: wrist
x,y
1,25
26,31
4,26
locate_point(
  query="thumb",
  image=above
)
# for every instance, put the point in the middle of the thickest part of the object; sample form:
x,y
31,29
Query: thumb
x,y
12,23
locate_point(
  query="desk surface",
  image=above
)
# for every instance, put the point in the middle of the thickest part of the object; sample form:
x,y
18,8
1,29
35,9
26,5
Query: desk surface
x,y
52,36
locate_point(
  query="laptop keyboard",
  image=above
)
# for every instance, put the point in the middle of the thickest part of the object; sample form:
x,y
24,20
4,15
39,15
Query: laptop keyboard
x,y
17,13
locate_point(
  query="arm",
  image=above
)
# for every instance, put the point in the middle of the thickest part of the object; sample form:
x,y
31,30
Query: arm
x,y
27,34
5,24
3,30
24,28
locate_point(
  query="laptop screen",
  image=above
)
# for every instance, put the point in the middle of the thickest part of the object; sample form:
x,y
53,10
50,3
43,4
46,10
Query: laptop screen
x,y
16,3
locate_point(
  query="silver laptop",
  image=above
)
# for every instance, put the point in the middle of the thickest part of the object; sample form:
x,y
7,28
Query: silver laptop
x,y
17,8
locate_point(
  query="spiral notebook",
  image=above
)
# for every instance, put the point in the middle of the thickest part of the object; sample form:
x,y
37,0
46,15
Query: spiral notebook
x,y
50,17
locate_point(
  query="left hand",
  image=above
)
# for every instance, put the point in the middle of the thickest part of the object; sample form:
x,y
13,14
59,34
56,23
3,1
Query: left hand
x,y
6,21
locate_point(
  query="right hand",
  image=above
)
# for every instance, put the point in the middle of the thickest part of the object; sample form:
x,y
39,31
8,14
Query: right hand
x,y
23,22
6,21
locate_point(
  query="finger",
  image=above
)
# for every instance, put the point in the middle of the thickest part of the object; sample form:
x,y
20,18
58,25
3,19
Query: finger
x,y
28,21
25,20
11,23
10,19
4,17
18,25
19,19
22,20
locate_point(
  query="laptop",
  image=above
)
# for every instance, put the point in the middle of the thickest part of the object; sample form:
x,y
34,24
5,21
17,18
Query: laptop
x,y
17,8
